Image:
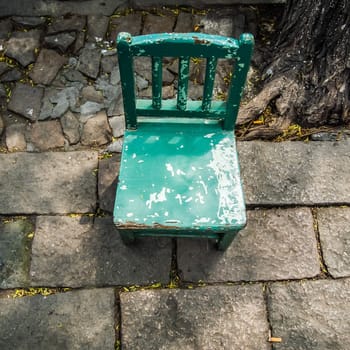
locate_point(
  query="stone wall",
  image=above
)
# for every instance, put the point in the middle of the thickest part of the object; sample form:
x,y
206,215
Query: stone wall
x,y
105,7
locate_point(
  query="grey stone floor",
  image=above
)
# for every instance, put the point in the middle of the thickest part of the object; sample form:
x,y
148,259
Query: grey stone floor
x,y
66,279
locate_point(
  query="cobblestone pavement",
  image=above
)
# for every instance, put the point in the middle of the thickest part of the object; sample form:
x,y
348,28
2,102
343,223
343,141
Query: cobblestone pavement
x,y
66,279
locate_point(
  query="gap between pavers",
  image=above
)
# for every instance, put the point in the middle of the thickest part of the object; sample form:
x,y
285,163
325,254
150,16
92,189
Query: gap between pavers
x,y
220,317
310,315
277,244
74,320
83,251
45,183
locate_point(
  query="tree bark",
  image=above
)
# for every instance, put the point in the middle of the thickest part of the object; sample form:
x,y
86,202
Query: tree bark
x,y
308,72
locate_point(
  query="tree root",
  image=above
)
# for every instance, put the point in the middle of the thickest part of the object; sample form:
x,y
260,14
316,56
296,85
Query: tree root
x,y
258,104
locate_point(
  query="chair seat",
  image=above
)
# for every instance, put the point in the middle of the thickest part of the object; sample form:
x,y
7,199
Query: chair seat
x,y
181,178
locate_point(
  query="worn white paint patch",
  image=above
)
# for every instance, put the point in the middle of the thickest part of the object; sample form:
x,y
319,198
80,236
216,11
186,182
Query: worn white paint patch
x,y
226,171
189,199
140,161
123,187
166,213
174,140
133,155
178,197
209,136
157,197
205,187
199,198
170,168
152,139
180,172
129,215
201,221
172,221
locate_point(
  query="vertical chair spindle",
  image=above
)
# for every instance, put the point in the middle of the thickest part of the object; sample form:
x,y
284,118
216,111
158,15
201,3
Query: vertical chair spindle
x,y
184,68
209,83
156,82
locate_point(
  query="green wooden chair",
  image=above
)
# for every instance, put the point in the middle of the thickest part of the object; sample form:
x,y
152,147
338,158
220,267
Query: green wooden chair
x,y
179,173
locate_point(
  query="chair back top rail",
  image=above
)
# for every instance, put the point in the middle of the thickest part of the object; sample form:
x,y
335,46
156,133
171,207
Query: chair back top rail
x,y
183,46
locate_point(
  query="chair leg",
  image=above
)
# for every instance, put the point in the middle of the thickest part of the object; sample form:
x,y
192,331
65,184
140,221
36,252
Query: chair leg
x,y
226,240
127,237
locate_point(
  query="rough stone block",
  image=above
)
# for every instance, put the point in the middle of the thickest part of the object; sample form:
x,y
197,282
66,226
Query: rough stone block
x,y
131,23
311,315
97,27
28,22
6,26
15,252
15,137
21,46
158,24
77,252
333,224
221,317
12,75
4,68
68,24
73,320
70,127
46,67
118,125
26,101
47,183
96,130
89,62
184,23
46,135
60,41
295,173
2,125
275,245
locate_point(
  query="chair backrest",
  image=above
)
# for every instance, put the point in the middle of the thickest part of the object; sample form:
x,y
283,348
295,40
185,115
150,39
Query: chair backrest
x,y
183,46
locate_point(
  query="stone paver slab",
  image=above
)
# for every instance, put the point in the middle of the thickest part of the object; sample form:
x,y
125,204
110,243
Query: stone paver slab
x,y
310,315
108,172
73,320
291,173
15,252
276,244
47,183
221,317
76,252
333,224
